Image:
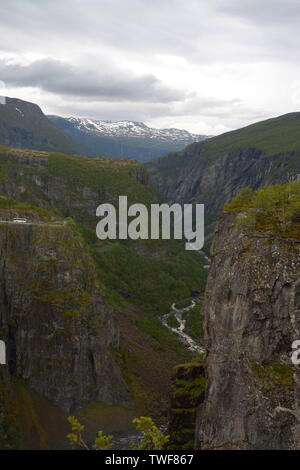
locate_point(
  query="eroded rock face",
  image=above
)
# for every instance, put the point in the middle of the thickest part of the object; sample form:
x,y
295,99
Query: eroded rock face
x,y
252,316
215,183
57,327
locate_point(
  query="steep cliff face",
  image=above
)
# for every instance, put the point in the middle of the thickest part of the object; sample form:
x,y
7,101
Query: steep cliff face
x,y
216,183
214,171
139,280
252,316
58,329
74,185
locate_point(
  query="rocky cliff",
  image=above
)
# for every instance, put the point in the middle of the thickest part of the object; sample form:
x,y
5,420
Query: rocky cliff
x,y
214,171
139,281
252,316
58,329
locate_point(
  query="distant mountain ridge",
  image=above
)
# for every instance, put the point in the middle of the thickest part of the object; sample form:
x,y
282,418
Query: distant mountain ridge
x,y
24,125
124,139
131,129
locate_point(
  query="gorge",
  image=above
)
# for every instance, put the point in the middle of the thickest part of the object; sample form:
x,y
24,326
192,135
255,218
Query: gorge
x,y
87,322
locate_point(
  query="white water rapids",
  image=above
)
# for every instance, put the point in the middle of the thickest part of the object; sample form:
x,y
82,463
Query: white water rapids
x,y
184,337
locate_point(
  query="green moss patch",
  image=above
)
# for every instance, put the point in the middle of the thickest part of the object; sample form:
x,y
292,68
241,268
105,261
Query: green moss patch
x,y
274,209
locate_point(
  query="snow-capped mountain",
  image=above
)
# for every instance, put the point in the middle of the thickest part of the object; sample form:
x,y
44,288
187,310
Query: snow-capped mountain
x,y
123,139
132,129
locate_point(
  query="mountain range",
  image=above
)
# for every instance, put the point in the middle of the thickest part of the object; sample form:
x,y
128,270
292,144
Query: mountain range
x,y
24,125
123,139
82,318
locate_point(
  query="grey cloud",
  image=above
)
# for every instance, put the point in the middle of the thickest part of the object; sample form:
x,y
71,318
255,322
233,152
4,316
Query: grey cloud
x,y
202,32
215,33
199,108
269,12
65,79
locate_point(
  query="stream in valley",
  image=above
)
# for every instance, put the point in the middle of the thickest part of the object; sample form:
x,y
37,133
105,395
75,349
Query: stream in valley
x,y
179,331
124,440
191,344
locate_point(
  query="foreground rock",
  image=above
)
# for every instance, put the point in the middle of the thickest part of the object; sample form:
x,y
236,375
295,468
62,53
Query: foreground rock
x,y
58,329
252,316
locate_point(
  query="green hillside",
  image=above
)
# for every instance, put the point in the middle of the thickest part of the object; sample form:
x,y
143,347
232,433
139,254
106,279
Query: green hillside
x,y
164,266
140,279
213,172
23,124
273,136
279,135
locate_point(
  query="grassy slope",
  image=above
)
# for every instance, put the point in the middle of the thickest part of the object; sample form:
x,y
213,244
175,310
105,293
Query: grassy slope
x,y
139,279
272,137
194,322
34,123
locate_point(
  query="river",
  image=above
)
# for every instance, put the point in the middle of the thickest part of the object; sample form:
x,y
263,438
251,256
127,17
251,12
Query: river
x,y
179,331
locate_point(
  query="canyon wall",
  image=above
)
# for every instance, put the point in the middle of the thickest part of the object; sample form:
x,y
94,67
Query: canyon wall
x,y
252,316
59,330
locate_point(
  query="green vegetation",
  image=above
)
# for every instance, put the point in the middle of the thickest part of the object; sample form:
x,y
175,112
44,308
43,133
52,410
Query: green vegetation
x,y
153,438
20,421
102,442
271,137
36,131
167,341
183,303
28,207
139,279
194,322
188,391
274,209
150,283
172,321
149,274
274,375
193,389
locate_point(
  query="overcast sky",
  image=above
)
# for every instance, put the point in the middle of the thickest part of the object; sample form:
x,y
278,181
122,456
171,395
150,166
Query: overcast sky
x,y
204,65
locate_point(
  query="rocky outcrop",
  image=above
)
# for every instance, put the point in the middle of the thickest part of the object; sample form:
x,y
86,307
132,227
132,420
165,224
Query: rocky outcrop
x,y
188,386
58,329
73,185
252,316
215,183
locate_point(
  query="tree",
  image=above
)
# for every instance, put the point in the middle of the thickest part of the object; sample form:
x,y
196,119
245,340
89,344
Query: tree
x,y
153,438
102,442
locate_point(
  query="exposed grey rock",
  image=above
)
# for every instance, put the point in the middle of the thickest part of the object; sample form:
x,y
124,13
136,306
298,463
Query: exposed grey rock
x,y
58,329
252,316
186,177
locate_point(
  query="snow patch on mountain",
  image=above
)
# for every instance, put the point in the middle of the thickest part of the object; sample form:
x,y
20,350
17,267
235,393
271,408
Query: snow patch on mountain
x,y
132,129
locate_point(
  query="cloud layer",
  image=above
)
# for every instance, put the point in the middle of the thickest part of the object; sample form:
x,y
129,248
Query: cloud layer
x,y
207,66
106,83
